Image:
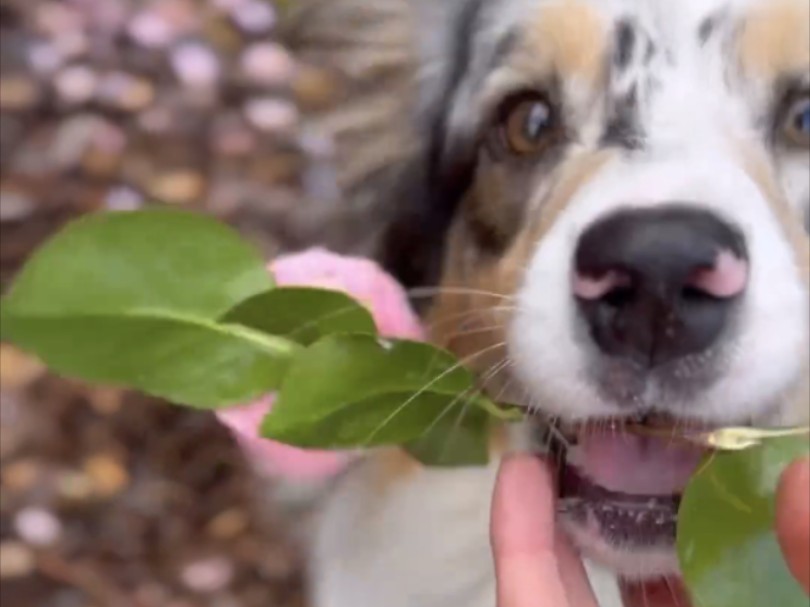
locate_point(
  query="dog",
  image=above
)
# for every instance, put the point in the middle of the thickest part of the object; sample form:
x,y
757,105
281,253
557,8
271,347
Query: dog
x,y
608,202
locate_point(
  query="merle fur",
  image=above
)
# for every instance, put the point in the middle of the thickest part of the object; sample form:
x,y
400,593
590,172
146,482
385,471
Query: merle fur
x,y
626,41
623,128
709,26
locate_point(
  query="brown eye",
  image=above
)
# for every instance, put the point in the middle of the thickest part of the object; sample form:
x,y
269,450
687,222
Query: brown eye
x,y
528,125
797,122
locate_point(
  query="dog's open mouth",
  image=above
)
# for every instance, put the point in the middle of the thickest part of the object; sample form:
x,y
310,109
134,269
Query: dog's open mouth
x,y
624,478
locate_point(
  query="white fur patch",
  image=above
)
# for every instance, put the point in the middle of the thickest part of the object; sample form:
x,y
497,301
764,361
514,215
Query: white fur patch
x,y
766,357
422,541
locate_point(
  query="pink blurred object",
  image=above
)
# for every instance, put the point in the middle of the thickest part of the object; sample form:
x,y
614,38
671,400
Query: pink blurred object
x,y
386,300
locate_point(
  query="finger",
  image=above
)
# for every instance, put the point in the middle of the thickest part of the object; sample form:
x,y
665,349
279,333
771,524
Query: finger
x,y
529,570
572,572
793,519
523,536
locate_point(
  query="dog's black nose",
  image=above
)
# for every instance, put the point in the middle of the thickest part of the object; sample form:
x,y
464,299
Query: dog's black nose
x,y
658,284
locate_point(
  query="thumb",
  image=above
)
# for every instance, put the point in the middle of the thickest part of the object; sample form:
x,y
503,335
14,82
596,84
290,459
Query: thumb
x,y
793,519
534,567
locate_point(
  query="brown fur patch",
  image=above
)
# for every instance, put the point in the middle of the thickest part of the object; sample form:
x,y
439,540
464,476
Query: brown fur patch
x,y
566,37
758,168
496,210
391,467
576,172
775,38
471,315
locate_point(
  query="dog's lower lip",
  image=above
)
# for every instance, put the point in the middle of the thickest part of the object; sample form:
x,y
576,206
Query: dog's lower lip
x,y
626,513
621,518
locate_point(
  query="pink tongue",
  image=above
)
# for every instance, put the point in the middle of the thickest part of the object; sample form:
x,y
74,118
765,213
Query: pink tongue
x,y
638,465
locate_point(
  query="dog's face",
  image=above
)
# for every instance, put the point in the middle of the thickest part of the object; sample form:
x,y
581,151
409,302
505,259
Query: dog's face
x,y
634,178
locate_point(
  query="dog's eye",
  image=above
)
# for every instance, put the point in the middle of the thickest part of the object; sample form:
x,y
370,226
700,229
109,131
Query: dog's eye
x,y
797,124
527,125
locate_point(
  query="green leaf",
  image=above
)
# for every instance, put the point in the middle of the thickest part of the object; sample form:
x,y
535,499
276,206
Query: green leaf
x,y
302,314
455,440
191,362
726,543
131,299
108,263
350,391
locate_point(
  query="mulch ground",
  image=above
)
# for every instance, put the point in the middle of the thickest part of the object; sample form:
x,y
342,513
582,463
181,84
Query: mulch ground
x,y
112,499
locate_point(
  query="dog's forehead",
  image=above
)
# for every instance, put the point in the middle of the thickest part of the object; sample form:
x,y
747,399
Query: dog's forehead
x,y
703,49
648,56
770,36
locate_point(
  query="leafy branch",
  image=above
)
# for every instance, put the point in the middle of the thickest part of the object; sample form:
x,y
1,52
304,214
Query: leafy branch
x,y
176,305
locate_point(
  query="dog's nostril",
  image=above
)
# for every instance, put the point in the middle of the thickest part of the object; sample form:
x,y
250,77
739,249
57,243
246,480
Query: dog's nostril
x,y
602,285
620,297
695,295
658,284
727,277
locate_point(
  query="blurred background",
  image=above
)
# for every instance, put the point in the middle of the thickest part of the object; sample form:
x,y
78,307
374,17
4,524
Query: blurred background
x,y
110,499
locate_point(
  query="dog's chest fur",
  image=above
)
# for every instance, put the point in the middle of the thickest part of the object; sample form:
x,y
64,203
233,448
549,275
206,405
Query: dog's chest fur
x,y
399,536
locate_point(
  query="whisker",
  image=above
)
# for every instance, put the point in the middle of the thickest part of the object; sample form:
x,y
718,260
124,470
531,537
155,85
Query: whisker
x,y
475,331
418,292
454,429
552,430
447,409
424,388
462,413
449,406
508,384
473,393
705,465
555,434
558,434
467,313
493,371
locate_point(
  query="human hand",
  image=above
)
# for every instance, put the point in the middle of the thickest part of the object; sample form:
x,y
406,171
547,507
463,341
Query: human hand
x,y
793,519
536,567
